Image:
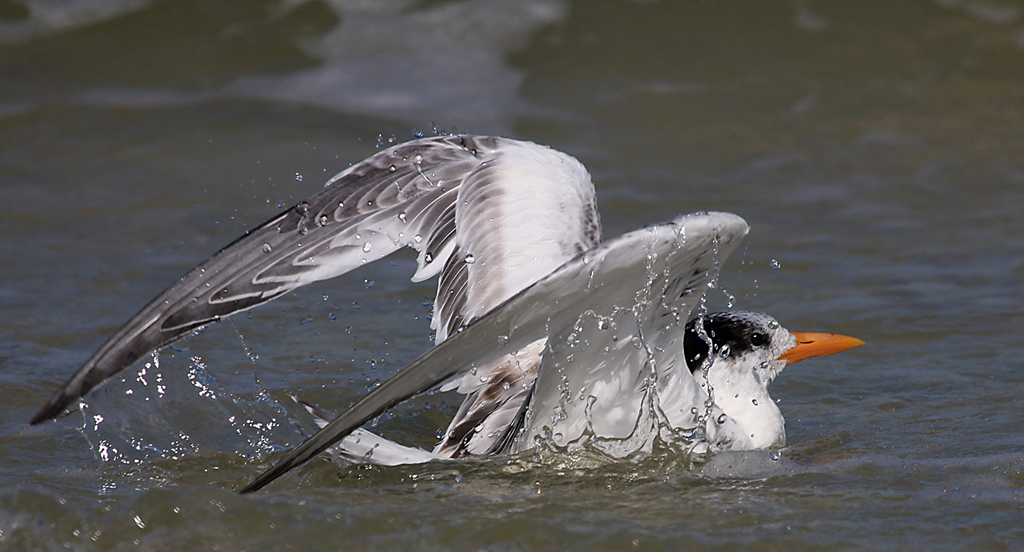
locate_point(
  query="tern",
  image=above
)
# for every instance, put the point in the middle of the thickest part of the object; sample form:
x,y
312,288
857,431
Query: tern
x,y
556,338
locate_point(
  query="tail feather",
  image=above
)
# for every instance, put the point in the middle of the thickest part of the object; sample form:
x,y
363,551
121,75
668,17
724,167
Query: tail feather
x,y
362,446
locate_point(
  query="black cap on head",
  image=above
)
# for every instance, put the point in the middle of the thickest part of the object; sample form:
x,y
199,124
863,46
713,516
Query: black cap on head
x,y
740,331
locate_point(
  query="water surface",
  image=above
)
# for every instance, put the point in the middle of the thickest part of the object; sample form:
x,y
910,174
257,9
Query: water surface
x,y
875,149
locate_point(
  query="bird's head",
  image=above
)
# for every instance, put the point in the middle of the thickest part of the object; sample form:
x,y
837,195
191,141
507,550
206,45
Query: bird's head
x,y
743,352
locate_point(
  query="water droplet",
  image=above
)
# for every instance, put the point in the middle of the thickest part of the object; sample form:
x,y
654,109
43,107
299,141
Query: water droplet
x,y
502,340
366,247
418,159
754,401
267,248
417,238
506,386
401,217
302,208
722,418
392,168
724,351
470,259
773,456
775,264
774,325
428,258
298,177
322,220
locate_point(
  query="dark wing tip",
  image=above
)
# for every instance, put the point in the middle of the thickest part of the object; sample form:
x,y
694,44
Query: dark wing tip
x,y
263,480
296,457
52,408
77,387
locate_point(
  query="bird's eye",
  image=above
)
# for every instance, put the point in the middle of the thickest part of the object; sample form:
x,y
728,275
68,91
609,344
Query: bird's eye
x,y
758,339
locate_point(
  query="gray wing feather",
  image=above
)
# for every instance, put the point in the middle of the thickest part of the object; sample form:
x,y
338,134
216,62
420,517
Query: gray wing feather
x,y
403,196
451,297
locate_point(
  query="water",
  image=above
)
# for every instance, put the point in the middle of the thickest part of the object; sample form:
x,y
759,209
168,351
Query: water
x,y
876,151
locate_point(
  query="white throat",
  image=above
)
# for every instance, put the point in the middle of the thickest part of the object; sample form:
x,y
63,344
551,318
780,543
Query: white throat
x,y
742,393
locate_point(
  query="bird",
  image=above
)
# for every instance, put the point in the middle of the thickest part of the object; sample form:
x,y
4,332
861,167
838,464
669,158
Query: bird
x,y
733,357
556,337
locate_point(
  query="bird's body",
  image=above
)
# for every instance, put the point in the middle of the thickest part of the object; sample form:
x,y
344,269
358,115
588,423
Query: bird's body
x,y
555,337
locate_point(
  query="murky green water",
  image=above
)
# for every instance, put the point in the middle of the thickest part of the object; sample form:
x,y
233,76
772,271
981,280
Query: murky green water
x,y
876,149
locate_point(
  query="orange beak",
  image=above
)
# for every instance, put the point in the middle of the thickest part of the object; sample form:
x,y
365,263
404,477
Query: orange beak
x,y
810,345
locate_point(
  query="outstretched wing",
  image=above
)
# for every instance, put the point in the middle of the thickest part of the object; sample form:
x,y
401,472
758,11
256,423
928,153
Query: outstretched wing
x,y
616,274
403,196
